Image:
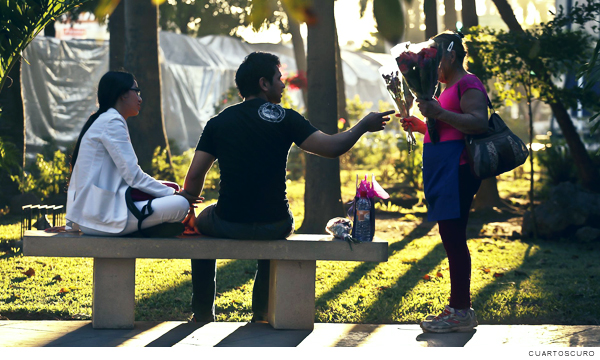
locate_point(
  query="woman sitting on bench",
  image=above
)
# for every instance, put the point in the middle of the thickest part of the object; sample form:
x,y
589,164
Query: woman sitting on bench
x,y
104,166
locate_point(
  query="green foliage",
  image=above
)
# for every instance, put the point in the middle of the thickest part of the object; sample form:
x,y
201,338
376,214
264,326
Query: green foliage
x,y
583,15
512,59
9,158
409,167
200,18
228,98
21,21
45,178
558,163
181,163
390,19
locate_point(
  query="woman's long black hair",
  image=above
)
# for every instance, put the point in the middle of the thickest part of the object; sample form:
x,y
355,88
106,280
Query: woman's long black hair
x,y
112,85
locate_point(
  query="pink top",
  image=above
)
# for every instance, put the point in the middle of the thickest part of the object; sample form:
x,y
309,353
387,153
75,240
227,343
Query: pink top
x,y
449,100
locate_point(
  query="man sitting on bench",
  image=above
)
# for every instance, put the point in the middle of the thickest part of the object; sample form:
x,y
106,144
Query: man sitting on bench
x,y
251,141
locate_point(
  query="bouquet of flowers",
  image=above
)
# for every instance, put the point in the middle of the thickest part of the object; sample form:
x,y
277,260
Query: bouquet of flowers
x,y
403,100
419,64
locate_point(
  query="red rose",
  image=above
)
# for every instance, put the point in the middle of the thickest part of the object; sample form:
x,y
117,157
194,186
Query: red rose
x,y
428,53
403,68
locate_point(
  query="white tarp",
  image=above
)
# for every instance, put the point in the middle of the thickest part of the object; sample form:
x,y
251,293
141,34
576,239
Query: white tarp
x,y
59,84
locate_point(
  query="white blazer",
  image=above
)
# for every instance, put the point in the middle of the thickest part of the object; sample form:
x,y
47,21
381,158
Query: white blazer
x,y
106,166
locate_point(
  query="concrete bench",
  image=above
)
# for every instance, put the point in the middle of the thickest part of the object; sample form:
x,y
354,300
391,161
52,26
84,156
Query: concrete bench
x,y
292,277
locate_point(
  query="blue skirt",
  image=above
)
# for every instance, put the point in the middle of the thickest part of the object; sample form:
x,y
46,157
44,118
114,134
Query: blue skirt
x,y
440,179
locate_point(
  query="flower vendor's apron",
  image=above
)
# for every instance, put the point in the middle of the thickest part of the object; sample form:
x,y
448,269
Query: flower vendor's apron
x,y
440,178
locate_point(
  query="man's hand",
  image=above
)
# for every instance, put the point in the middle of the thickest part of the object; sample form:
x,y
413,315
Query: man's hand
x,y
193,200
414,123
56,229
190,223
375,121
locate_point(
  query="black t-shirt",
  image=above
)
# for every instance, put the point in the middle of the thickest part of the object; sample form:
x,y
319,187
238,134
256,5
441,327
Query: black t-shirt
x,y
251,141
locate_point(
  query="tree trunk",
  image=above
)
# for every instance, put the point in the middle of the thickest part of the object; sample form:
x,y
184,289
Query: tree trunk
x,y
430,10
587,171
487,197
50,29
469,14
116,24
340,84
508,16
322,196
147,130
450,17
12,128
298,45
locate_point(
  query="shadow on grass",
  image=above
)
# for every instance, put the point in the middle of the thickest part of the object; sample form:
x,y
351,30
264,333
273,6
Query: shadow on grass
x,y
562,290
378,312
357,273
177,299
10,255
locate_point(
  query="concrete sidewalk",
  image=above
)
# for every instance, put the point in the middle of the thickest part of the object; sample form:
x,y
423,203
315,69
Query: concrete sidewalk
x,y
227,334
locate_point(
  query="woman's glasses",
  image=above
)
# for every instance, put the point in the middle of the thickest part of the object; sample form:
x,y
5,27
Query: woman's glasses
x,y
137,90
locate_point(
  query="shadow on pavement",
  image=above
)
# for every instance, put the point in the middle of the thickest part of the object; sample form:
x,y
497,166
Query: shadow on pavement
x,y
263,335
175,335
456,339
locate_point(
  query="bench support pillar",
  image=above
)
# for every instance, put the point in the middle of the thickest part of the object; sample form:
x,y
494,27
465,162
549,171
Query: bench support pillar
x,y
113,304
292,294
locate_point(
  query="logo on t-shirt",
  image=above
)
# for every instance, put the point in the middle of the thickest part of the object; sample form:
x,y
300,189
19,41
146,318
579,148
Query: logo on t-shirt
x,y
271,112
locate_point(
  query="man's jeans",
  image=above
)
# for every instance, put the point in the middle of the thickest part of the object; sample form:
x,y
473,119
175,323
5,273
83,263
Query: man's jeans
x,y
204,272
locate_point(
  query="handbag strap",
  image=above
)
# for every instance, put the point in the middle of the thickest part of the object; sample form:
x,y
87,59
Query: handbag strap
x,y
489,102
140,215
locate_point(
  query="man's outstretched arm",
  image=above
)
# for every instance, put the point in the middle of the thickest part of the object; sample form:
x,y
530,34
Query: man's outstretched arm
x,y
332,146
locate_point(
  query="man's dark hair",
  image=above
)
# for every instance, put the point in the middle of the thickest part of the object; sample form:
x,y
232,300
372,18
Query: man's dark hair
x,y
255,66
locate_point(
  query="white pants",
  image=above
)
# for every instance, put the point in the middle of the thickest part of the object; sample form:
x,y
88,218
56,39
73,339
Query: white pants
x,y
167,209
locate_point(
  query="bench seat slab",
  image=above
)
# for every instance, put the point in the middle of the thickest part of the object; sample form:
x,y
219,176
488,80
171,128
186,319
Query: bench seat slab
x,y
292,294
113,303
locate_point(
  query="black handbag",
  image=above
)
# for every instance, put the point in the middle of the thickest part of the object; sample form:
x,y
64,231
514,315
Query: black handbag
x,y
495,151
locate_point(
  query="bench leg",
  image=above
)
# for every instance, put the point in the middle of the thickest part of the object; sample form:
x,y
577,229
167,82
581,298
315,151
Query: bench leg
x,y
113,303
292,294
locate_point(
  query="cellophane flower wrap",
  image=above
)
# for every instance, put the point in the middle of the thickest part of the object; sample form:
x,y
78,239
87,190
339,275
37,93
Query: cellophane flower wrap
x,y
419,65
402,97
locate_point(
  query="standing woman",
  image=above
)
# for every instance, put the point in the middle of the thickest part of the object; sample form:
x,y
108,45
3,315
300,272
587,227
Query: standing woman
x,y
104,166
449,185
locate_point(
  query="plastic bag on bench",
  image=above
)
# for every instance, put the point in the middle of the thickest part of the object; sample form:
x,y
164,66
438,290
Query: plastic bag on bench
x,y
363,208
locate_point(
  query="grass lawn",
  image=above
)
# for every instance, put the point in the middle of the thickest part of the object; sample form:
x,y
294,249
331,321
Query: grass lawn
x,y
514,281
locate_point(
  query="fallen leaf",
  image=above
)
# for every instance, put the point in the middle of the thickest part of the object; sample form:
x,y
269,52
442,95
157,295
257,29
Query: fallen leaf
x,y
74,288
426,277
439,274
29,272
57,278
383,288
498,274
63,290
486,270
